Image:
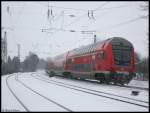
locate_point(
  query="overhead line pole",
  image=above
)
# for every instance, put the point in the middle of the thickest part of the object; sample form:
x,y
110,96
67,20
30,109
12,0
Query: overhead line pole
x,y
18,45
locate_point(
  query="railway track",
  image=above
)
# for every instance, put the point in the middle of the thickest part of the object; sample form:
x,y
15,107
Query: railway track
x,y
8,85
100,91
96,82
133,87
96,93
19,100
48,99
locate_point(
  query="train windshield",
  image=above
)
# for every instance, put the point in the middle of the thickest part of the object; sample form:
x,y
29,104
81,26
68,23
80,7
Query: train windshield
x,y
122,54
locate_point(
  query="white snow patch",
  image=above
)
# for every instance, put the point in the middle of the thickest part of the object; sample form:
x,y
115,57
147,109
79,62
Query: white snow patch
x,y
72,99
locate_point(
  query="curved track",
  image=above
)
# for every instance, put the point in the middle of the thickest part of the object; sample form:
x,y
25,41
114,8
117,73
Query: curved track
x,y
48,99
19,100
8,85
100,91
96,93
96,82
134,87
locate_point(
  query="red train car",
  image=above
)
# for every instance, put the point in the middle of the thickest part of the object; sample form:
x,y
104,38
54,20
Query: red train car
x,y
111,60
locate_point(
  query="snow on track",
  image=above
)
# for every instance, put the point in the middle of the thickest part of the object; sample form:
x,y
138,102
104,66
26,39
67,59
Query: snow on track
x,y
33,101
9,102
95,92
78,101
72,99
116,90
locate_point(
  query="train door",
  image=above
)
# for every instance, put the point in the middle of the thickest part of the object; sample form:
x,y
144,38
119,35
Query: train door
x,y
100,59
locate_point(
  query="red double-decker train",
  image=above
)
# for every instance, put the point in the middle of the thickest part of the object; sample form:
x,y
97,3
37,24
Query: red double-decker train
x,y
111,60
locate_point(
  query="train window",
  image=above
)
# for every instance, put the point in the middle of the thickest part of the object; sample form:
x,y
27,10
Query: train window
x,y
87,67
122,54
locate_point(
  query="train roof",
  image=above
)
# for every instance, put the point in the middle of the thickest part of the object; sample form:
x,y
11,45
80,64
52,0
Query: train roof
x,y
118,40
94,47
98,45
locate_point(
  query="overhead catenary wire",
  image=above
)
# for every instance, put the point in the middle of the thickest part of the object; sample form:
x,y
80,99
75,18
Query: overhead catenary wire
x,y
120,6
67,8
13,27
84,15
105,13
98,8
75,20
11,20
123,23
83,10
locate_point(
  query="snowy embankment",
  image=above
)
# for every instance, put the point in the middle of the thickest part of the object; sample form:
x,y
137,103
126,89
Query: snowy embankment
x,y
62,98
122,91
9,102
138,83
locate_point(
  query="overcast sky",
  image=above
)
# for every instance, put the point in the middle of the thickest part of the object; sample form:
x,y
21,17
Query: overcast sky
x,y
27,19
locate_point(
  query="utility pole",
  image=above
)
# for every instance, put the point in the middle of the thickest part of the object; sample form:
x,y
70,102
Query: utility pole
x,y
90,32
18,51
95,38
4,47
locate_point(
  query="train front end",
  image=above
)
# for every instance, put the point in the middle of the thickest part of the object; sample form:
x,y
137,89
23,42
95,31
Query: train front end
x,y
123,64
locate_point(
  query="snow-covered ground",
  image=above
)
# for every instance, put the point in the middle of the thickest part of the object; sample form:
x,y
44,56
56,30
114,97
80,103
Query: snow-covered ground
x,y
122,91
9,102
138,83
70,99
